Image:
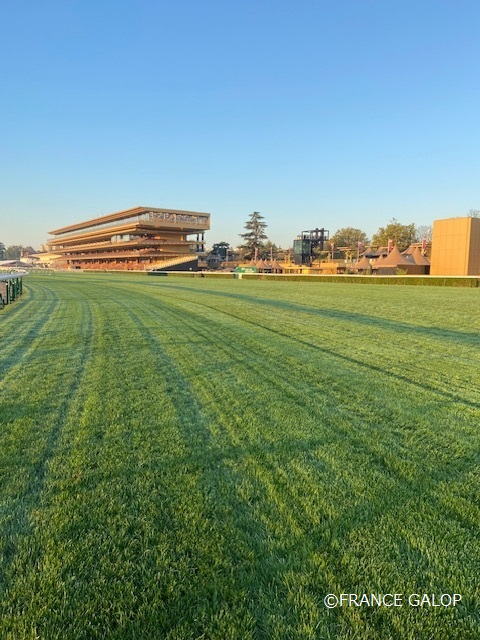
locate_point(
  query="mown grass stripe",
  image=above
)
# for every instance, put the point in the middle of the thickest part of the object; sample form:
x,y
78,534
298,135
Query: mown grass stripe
x,y
215,478
30,439
361,510
394,367
19,331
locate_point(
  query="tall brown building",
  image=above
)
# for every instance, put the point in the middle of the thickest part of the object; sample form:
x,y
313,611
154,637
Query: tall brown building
x,y
456,247
141,238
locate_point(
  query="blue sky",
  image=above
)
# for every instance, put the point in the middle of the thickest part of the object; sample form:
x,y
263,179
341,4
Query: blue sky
x,y
315,113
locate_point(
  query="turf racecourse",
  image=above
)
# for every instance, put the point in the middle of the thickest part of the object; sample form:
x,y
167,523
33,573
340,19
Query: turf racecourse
x,y
186,458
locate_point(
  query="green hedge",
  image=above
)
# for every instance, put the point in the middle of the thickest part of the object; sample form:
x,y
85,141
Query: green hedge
x,y
203,274
419,281
197,274
422,281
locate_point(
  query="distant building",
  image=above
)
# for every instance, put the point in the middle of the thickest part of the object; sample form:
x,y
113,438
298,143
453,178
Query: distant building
x,y
456,247
408,263
140,239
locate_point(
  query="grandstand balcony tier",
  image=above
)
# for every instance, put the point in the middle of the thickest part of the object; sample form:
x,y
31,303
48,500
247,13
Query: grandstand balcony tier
x,y
134,238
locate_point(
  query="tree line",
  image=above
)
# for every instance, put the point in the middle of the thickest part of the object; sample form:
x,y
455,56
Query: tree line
x,y
256,243
14,252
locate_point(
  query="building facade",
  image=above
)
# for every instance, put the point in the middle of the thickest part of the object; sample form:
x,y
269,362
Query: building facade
x,y
456,247
141,238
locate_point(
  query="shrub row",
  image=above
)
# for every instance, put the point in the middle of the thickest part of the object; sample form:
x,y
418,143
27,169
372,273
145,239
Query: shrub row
x,y
423,281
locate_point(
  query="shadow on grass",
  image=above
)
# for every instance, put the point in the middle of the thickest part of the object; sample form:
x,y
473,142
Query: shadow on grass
x,y
469,339
263,563
20,341
18,525
462,337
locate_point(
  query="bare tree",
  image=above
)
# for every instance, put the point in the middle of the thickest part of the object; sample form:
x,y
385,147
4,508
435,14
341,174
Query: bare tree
x,y
423,231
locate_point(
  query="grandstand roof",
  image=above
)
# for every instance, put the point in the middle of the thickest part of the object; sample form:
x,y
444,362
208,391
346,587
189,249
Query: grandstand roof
x,y
120,215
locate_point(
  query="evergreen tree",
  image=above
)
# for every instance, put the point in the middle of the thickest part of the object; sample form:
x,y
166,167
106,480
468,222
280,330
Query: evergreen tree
x,y
221,249
269,250
254,236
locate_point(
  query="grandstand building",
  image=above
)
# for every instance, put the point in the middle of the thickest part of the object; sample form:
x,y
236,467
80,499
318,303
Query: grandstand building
x,y
142,238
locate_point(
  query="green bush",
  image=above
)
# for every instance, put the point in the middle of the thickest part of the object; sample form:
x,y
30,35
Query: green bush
x,y
422,281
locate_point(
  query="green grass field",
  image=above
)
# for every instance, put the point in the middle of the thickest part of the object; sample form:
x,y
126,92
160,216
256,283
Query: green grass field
x,y
198,459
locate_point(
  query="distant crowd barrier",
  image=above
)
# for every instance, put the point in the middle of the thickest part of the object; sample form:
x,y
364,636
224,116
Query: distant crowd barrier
x,y
11,287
